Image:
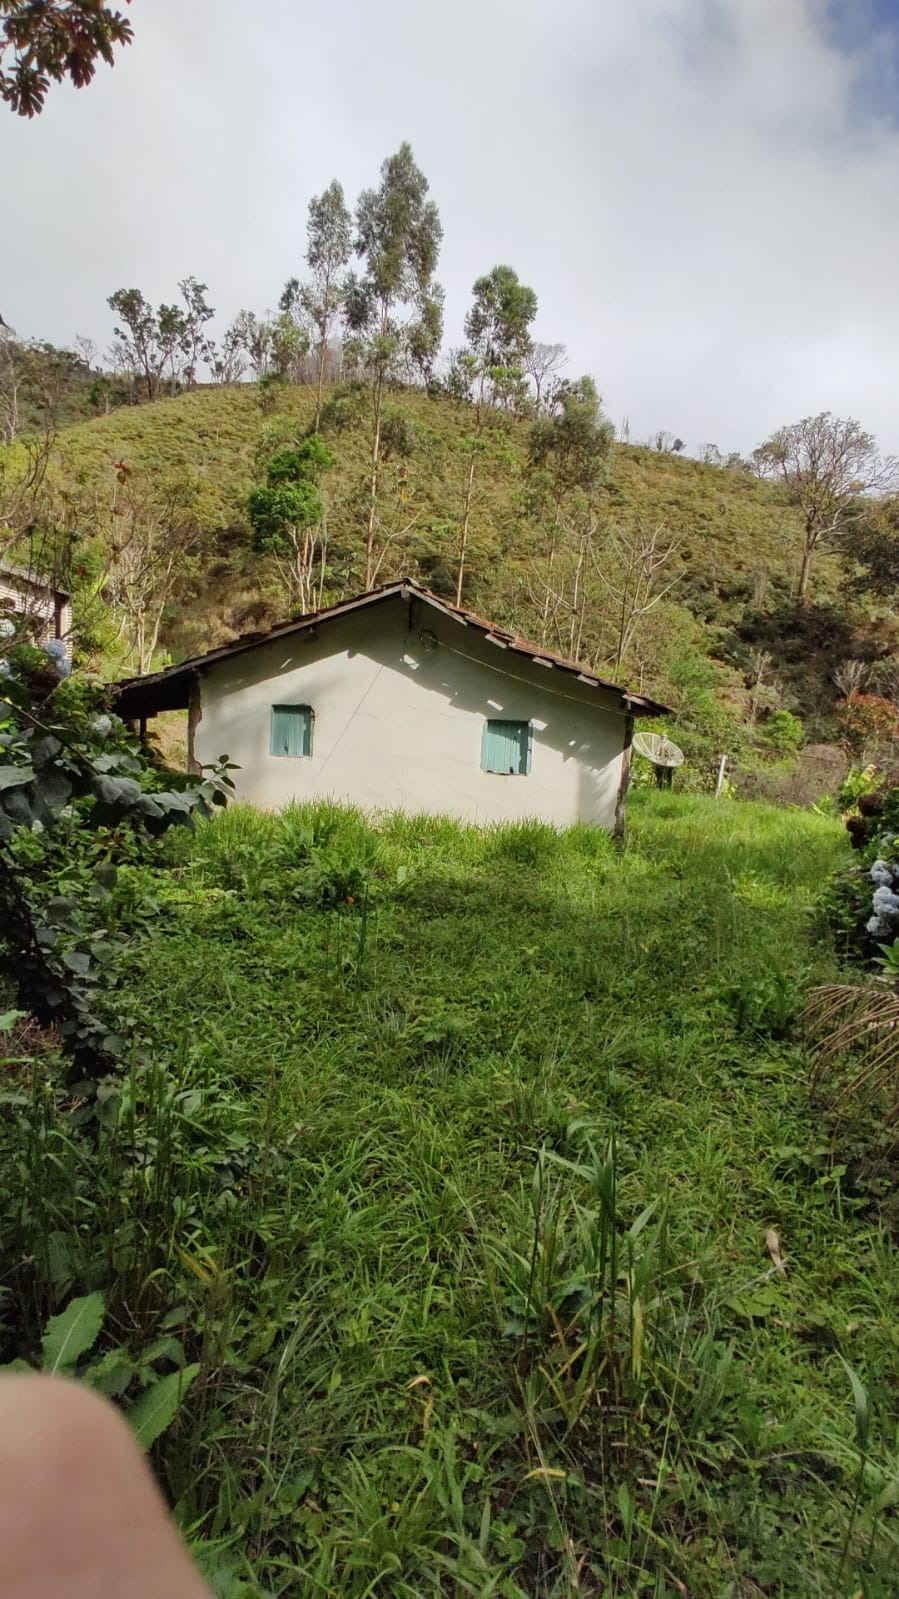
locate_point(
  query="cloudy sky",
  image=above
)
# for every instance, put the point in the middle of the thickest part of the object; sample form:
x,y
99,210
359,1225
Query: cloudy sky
x,y
702,192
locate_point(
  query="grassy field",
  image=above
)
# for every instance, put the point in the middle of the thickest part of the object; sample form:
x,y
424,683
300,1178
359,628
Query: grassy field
x,y
453,1169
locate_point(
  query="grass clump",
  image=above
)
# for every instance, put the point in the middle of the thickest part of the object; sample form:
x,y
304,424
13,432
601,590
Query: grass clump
x,y
453,1172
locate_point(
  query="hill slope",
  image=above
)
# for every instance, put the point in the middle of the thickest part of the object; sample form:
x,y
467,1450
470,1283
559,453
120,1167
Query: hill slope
x,y
737,522
735,567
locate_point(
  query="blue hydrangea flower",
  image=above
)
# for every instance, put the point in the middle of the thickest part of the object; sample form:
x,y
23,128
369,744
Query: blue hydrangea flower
x,y
882,874
885,902
878,928
56,652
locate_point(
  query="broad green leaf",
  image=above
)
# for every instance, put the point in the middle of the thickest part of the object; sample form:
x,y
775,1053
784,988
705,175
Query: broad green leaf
x,y
117,792
8,1019
61,907
55,789
19,804
45,749
78,962
157,1408
72,1333
755,1304
15,776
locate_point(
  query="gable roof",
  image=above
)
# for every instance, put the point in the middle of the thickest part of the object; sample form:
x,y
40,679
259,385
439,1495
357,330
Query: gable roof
x,y
169,690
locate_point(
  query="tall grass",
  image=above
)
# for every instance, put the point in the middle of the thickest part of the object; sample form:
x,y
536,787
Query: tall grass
x,y
453,1163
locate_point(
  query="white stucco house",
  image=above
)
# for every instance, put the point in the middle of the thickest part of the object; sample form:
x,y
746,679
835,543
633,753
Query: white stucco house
x,y
399,700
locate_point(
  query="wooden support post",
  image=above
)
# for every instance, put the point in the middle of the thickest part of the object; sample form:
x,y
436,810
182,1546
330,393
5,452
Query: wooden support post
x,y
194,716
719,786
624,778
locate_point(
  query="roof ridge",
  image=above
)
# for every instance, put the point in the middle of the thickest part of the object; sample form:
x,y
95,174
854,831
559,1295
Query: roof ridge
x,y
504,638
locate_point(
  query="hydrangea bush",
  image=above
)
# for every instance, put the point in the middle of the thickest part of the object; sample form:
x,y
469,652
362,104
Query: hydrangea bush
x,y
861,905
883,923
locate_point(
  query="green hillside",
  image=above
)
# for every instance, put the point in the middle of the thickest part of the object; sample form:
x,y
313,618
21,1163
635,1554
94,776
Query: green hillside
x,y
737,524
217,430
732,576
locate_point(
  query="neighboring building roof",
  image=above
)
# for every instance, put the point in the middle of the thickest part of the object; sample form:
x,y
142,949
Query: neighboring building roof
x,y
170,690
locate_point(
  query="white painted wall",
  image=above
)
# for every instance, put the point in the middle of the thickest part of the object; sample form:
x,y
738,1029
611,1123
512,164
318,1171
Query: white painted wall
x,y
398,725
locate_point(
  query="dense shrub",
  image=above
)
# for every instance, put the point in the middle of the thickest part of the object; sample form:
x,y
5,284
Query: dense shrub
x,y
783,731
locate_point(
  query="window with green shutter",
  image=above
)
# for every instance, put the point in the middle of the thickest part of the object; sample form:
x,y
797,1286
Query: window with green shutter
x,y
291,730
506,748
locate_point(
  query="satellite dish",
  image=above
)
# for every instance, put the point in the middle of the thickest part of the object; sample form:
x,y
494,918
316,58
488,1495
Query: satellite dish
x,y
658,749
665,755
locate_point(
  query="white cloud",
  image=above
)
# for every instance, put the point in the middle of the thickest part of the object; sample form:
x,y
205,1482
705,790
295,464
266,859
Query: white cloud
x,y
694,187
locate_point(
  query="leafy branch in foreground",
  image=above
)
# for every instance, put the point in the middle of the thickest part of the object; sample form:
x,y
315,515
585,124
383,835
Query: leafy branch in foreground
x,y
83,771
67,1350
55,39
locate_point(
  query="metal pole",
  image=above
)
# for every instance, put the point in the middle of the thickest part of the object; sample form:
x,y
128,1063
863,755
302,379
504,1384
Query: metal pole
x,y
722,764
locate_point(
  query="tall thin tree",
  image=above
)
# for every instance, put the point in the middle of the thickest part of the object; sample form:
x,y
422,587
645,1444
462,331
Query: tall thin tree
x,y
568,456
497,330
394,310
195,342
330,241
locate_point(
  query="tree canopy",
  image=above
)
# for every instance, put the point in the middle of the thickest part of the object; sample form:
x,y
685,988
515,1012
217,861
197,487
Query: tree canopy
x,y
827,464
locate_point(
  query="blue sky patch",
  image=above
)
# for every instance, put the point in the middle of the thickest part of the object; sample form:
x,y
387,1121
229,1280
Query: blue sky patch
x,y
868,31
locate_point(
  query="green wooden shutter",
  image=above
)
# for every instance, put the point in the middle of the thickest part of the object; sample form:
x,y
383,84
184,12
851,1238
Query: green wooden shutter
x,y
291,730
506,747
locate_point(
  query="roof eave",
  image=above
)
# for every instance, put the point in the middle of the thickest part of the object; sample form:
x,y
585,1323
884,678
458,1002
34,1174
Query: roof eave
x,y
174,683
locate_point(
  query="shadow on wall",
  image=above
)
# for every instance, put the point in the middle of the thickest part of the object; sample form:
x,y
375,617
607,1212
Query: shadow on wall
x,y
410,645
430,666
597,789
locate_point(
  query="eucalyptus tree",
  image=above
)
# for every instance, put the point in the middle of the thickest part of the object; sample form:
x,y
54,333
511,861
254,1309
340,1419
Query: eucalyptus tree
x,y
569,454
290,336
489,366
254,337
394,306
329,233
148,341
196,345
